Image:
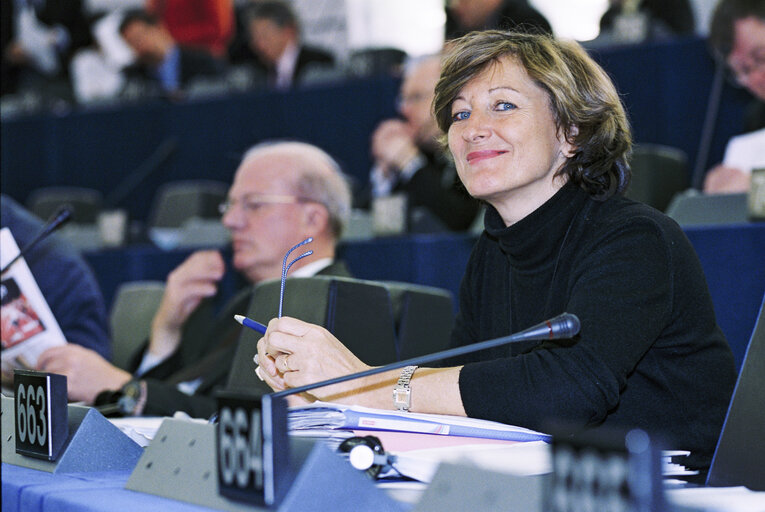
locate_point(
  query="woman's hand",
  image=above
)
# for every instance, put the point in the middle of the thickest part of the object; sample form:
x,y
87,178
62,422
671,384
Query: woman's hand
x,y
294,353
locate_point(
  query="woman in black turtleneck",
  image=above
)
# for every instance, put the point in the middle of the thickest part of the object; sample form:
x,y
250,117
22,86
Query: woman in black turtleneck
x,y
537,131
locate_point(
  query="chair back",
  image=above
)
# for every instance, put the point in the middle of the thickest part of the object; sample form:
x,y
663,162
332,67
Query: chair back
x,y
133,308
424,317
85,203
692,208
658,173
356,311
178,201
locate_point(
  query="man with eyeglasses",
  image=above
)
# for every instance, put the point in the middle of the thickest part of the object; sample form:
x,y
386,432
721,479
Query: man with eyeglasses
x,y
408,158
738,34
283,193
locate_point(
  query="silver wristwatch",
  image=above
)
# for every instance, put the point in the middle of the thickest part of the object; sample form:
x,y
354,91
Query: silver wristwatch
x,y
402,394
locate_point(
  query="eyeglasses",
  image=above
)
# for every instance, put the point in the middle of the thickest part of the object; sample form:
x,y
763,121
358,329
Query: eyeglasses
x,y
252,202
409,99
752,63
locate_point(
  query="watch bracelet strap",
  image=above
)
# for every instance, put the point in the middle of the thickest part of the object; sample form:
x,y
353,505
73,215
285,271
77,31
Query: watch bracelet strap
x,y
406,376
141,403
403,384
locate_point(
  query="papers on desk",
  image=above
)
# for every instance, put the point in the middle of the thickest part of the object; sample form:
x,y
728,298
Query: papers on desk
x,y
421,442
717,499
321,415
142,429
745,151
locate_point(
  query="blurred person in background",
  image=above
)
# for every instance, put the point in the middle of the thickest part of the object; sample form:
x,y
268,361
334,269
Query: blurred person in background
x,y
283,193
409,159
273,30
737,35
633,21
64,278
162,62
39,38
462,16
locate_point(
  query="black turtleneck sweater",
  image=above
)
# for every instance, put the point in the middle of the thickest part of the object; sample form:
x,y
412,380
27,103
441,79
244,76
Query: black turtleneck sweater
x,y
649,353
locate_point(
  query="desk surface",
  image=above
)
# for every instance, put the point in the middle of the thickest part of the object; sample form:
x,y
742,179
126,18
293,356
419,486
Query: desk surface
x,y
28,490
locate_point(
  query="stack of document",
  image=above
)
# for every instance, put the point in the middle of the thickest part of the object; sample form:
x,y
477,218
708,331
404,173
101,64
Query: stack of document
x,y
327,416
673,463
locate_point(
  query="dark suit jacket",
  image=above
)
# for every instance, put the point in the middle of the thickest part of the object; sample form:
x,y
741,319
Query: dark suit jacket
x,y
193,64
511,14
308,57
434,187
437,188
206,351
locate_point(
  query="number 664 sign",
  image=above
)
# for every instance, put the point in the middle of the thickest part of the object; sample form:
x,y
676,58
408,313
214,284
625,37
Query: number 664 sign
x,y
41,413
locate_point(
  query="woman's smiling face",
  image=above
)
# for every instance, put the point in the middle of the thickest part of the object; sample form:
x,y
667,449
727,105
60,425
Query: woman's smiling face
x,y
505,141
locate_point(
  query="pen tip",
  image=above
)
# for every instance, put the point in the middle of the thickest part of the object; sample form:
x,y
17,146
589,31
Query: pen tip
x,y
239,318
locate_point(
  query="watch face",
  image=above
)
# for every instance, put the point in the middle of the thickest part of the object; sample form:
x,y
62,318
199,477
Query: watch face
x,y
132,389
131,392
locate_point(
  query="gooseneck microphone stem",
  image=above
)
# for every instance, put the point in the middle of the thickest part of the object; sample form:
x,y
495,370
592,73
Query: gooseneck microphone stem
x,y
565,325
55,222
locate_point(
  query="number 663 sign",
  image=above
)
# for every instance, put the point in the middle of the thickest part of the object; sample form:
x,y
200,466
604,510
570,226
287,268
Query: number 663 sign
x,y
41,413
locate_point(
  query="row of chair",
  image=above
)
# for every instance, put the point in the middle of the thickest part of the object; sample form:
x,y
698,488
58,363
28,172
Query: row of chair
x,y
183,213
381,322
174,202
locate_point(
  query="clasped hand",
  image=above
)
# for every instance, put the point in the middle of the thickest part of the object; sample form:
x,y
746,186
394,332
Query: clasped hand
x,y
294,353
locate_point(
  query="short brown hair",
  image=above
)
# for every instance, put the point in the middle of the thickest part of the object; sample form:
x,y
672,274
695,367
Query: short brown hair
x,y
725,16
583,100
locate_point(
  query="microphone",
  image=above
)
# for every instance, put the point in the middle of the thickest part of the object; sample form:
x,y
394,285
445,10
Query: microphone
x,y
563,326
61,217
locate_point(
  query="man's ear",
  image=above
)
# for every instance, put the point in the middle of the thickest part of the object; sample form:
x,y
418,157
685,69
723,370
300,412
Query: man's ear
x,y
316,217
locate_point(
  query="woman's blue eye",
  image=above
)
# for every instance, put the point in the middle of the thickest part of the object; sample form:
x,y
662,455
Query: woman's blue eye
x,y
505,105
460,116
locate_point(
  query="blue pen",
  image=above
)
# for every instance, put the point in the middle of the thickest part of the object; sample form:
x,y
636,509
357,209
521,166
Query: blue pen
x,y
252,324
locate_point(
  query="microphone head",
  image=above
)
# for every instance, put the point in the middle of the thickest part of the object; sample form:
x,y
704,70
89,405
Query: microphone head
x,y
565,325
63,215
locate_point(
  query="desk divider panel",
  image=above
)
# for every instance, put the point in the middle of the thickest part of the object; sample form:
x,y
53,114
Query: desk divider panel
x,y
464,488
181,464
94,444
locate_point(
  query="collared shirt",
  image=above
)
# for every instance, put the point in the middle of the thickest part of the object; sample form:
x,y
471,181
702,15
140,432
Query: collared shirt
x,y
169,70
312,268
383,183
285,66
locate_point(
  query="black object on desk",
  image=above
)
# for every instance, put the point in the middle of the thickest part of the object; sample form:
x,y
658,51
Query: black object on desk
x,y
740,452
41,420
93,444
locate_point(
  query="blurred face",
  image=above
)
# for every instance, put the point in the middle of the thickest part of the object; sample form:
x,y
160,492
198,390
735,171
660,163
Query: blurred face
x,y
416,98
747,58
146,41
473,13
264,216
504,140
268,39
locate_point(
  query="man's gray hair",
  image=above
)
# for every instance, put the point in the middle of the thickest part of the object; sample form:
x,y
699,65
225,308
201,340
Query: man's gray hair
x,y
321,179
